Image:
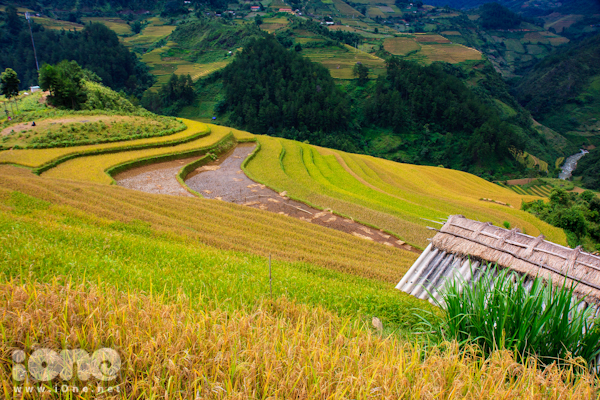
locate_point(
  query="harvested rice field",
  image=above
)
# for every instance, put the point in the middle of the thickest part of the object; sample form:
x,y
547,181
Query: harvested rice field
x,y
224,180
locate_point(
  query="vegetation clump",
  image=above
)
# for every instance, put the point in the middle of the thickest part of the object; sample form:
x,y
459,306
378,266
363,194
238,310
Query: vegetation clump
x,y
502,311
577,214
268,89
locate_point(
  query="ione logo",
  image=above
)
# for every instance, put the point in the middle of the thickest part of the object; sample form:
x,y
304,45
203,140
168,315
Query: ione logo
x,y
45,365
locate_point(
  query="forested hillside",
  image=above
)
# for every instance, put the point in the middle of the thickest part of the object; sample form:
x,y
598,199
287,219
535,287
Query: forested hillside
x,y
428,113
562,91
96,48
270,90
92,4
528,7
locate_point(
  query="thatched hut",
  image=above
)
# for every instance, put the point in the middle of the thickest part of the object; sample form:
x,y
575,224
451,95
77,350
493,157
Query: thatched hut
x,y
464,248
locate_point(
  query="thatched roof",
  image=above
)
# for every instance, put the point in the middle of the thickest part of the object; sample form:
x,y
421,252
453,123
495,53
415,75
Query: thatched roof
x,y
525,254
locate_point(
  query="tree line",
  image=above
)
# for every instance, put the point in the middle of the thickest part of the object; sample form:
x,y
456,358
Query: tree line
x,y
269,90
96,48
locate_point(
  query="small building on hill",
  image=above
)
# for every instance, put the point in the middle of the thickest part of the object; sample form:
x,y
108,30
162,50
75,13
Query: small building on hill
x,y
286,10
255,8
463,248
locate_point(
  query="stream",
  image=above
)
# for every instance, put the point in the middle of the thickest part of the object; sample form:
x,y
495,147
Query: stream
x,y
570,164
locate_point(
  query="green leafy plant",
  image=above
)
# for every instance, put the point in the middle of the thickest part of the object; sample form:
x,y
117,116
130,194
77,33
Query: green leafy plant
x,y
501,312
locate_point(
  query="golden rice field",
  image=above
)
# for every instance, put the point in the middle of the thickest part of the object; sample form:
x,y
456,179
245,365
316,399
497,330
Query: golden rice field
x,y
431,39
430,48
346,10
451,53
215,223
401,46
400,198
276,349
35,158
340,62
50,23
92,168
116,24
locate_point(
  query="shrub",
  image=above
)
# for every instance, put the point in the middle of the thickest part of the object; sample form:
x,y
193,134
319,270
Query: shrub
x,y
499,312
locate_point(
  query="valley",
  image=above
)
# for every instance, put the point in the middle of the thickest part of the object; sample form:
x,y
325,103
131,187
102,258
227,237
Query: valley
x,y
226,195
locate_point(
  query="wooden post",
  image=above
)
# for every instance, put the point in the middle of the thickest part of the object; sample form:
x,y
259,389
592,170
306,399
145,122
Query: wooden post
x,y
270,278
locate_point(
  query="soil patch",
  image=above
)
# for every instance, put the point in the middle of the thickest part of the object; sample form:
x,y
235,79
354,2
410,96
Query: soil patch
x,y
160,178
523,181
229,183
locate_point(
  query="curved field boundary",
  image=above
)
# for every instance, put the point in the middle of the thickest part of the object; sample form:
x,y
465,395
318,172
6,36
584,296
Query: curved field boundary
x,y
187,169
92,168
315,201
191,167
225,143
41,160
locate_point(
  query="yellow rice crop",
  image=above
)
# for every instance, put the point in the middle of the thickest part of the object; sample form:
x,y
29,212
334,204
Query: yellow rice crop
x,y
92,168
37,157
400,198
277,350
219,224
116,24
401,45
452,53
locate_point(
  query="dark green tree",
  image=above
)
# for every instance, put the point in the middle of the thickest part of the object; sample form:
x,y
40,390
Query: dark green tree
x,y
136,27
14,23
65,83
9,84
361,71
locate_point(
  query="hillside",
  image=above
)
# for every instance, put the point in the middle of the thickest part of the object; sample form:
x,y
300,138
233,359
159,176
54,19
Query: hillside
x,y
562,90
96,48
179,312
527,7
223,299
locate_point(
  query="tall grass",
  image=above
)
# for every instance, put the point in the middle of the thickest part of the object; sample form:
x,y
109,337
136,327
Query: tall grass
x,y
273,349
503,311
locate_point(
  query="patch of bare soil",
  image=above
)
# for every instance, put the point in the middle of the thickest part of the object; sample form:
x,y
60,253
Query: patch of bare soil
x,y
160,178
224,180
522,181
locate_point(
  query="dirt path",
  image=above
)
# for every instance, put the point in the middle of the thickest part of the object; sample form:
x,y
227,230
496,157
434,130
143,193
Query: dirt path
x,y
225,180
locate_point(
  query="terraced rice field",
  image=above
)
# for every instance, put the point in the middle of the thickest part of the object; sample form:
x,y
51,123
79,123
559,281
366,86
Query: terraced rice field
x,y
346,10
431,39
92,168
540,190
451,53
215,223
401,46
399,198
116,24
430,48
155,31
39,157
340,62
50,23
